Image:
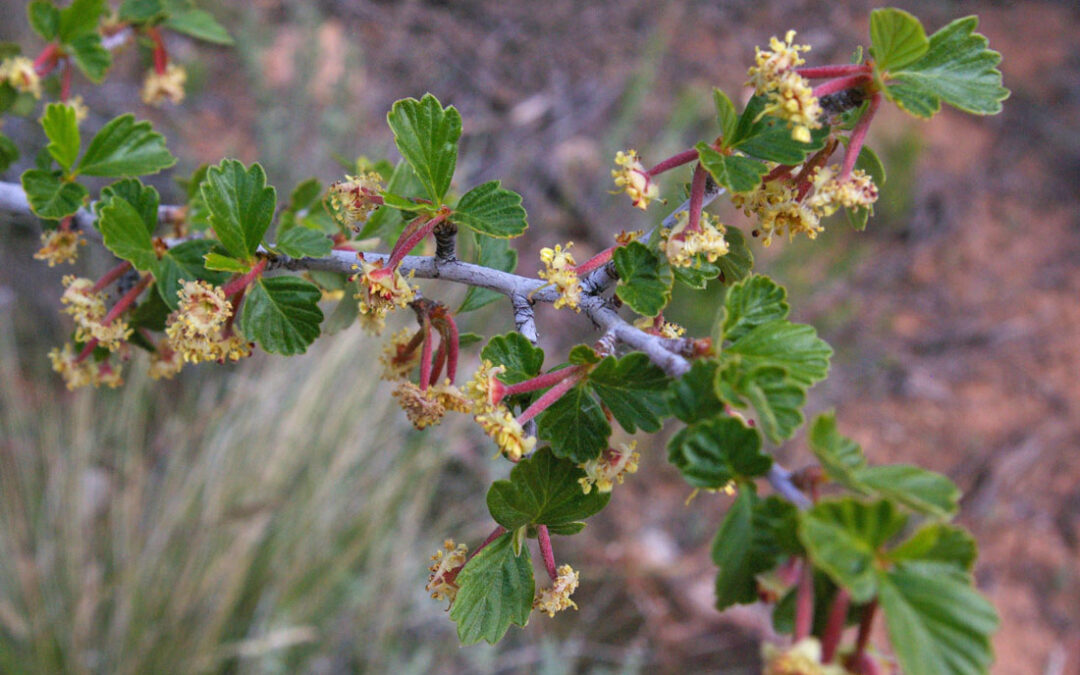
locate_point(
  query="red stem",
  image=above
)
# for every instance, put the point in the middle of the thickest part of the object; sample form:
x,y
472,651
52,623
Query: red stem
x,y
544,538
405,243
697,198
46,60
451,340
495,534
840,84
817,72
440,361
779,172
425,355
65,81
540,381
834,629
858,136
673,162
161,57
865,627
597,260
87,350
242,281
235,301
550,396
127,300
111,276
804,602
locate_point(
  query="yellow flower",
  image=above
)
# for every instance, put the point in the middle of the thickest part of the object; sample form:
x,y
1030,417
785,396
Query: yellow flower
x,y
75,375
683,246
59,246
381,290
356,197
830,193
20,73
793,100
109,335
633,179
81,301
557,598
657,326
610,468
450,397
485,389
397,360
81,111
559,271
445,565
420,406
203,306
197,330
770,66
509,435
778,211
802,658
168,85
165,363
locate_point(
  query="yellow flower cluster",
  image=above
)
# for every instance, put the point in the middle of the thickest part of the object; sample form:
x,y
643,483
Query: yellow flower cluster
x,y
778,211
87,307
165,363
380,292
559,270
355,197
666,329
610,468
830,193
484,391
449,559
198,329
85,372
802,658
59,246
396,361
683,246
168,85
557,598
426,407
790,95
81,110
632,178
19,72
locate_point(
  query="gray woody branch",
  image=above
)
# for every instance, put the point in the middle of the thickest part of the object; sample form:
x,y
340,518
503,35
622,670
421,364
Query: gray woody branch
x,y
520,290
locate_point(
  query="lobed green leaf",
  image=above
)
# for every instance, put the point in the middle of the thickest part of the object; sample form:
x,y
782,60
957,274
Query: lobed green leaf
x,y
633,388
426,135
896,37
185,262
199,24
644,282
735,173
63,133
496,589
749,303
241,205
50,196
492,210
543,490
125,147
712,453
125,233
575,425
282,314
303,242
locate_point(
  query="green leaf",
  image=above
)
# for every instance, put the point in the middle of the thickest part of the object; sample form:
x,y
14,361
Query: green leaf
x,y
794,347
751,540
282,314
896,38
575,425
305,195
198,24
301,242
125,234
50,197
495,254
749,303
842,459
543,490
44,18
426,135
725,116
739,259
522,359
345,312
844,539
491,210
712,453
938,542
63,133
737,174
644,283
241,205
777,400
496,589
144,198
938,622
139,11
692,397
184,262
79,18
9,152
583,355
223,263
958,69
769,138
125,147
633,389
94,61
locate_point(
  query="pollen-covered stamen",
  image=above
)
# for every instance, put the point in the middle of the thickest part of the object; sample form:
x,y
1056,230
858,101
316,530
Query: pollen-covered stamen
x,y
356,197
381,291
557,598
684,247
658,326
165,362
23,74
485,389
75,372
560,271
610,468
632,178
770,66
60,246
793,100
831,193
400,355
422,409
446,563
507,432
203,306
166,85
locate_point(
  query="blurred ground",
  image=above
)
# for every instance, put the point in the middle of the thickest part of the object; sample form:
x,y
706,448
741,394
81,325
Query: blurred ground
x,y
955,316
